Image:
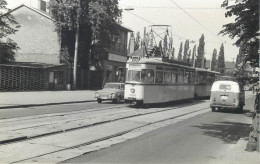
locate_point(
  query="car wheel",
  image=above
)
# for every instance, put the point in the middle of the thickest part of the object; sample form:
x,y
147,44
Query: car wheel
x,y
99,101
213,109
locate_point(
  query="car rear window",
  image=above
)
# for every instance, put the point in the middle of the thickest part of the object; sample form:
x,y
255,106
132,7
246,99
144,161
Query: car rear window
x,y
225,86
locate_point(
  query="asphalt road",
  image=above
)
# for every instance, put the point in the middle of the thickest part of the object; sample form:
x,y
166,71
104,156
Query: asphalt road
x,y
205,138
48,109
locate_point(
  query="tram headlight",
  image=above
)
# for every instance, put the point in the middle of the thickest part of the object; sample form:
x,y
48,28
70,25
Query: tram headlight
x,y
96,94
132,90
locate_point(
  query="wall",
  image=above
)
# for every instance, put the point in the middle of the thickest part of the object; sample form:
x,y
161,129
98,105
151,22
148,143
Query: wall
x,y
36,37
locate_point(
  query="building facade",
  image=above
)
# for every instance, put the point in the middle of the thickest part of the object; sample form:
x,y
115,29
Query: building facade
x,y
39,44
38,54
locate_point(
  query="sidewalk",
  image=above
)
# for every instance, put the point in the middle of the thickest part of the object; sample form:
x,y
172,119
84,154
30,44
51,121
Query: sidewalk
x,y
37,98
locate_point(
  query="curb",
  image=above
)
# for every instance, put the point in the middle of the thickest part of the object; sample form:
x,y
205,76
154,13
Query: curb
x,y
46,104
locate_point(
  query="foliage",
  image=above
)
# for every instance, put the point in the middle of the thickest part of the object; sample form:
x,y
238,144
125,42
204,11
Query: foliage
x,y
8,26
245,27
180,53
214,60
137,41
185,52
240,58
221,60
151,40
193,56
98,24
165,45
201,52
172,52
188,57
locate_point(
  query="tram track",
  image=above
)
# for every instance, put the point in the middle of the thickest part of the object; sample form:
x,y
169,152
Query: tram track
x,y
107,138
106,119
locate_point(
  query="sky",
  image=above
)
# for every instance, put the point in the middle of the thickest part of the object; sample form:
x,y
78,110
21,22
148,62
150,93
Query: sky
x,y
189,19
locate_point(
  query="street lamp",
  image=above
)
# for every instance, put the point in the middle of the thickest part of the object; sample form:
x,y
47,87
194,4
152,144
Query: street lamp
x,y
129,9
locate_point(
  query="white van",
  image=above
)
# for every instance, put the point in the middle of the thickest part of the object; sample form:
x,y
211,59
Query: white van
x,y
227,94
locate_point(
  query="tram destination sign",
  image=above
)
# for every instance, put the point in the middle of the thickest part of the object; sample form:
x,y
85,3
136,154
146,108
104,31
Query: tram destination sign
x,y
135,66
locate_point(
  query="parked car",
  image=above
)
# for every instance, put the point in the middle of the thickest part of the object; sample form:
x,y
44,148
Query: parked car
x,y
227,95
111,91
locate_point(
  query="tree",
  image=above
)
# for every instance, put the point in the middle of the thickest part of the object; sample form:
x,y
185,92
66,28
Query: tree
x,y
172,53
200,57
214,60
245,27
240,58
137,41
185,52
160,48
188,57
8,26
165,45
98,25
151,40
180,53
193,56
221,60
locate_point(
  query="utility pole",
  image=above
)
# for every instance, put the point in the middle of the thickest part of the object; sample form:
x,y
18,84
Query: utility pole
x,y
76,50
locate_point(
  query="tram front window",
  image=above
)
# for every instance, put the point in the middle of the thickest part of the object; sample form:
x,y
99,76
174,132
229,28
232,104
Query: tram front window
x,y
147,76
134,76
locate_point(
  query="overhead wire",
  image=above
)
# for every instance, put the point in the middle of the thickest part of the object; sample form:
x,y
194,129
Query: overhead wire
x,y
195,19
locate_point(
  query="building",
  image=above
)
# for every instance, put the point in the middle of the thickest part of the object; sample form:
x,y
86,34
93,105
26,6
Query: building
x,y
40,52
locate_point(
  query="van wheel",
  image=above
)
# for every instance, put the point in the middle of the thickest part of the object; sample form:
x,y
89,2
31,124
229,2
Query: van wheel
x,y
99,101
213,109
117,100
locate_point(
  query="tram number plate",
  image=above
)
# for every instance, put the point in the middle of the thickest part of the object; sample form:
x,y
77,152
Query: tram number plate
x,y
224,97
104,98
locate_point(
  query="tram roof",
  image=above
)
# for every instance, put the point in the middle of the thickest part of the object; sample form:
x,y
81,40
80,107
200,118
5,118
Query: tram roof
x,y
159,61
205,70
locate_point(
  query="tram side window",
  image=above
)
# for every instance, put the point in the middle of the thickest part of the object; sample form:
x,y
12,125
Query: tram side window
x,y
147,76
167,77
201,78
186,77
175,76
159,77
181,74
191,79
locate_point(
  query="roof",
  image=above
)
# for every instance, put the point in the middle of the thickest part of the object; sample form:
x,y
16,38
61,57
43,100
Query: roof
x,y
45,14
48,15
228,64
32,65
160,61
226,82
140,52
205,70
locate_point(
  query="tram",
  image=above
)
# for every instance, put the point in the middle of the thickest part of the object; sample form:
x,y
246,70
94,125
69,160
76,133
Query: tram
x,y
203,82
160,80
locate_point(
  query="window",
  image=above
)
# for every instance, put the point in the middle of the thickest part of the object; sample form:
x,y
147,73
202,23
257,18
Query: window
x,y
175,76
181,74
147,76
191,79
225,87
186,77
159,77
167,77
133,75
